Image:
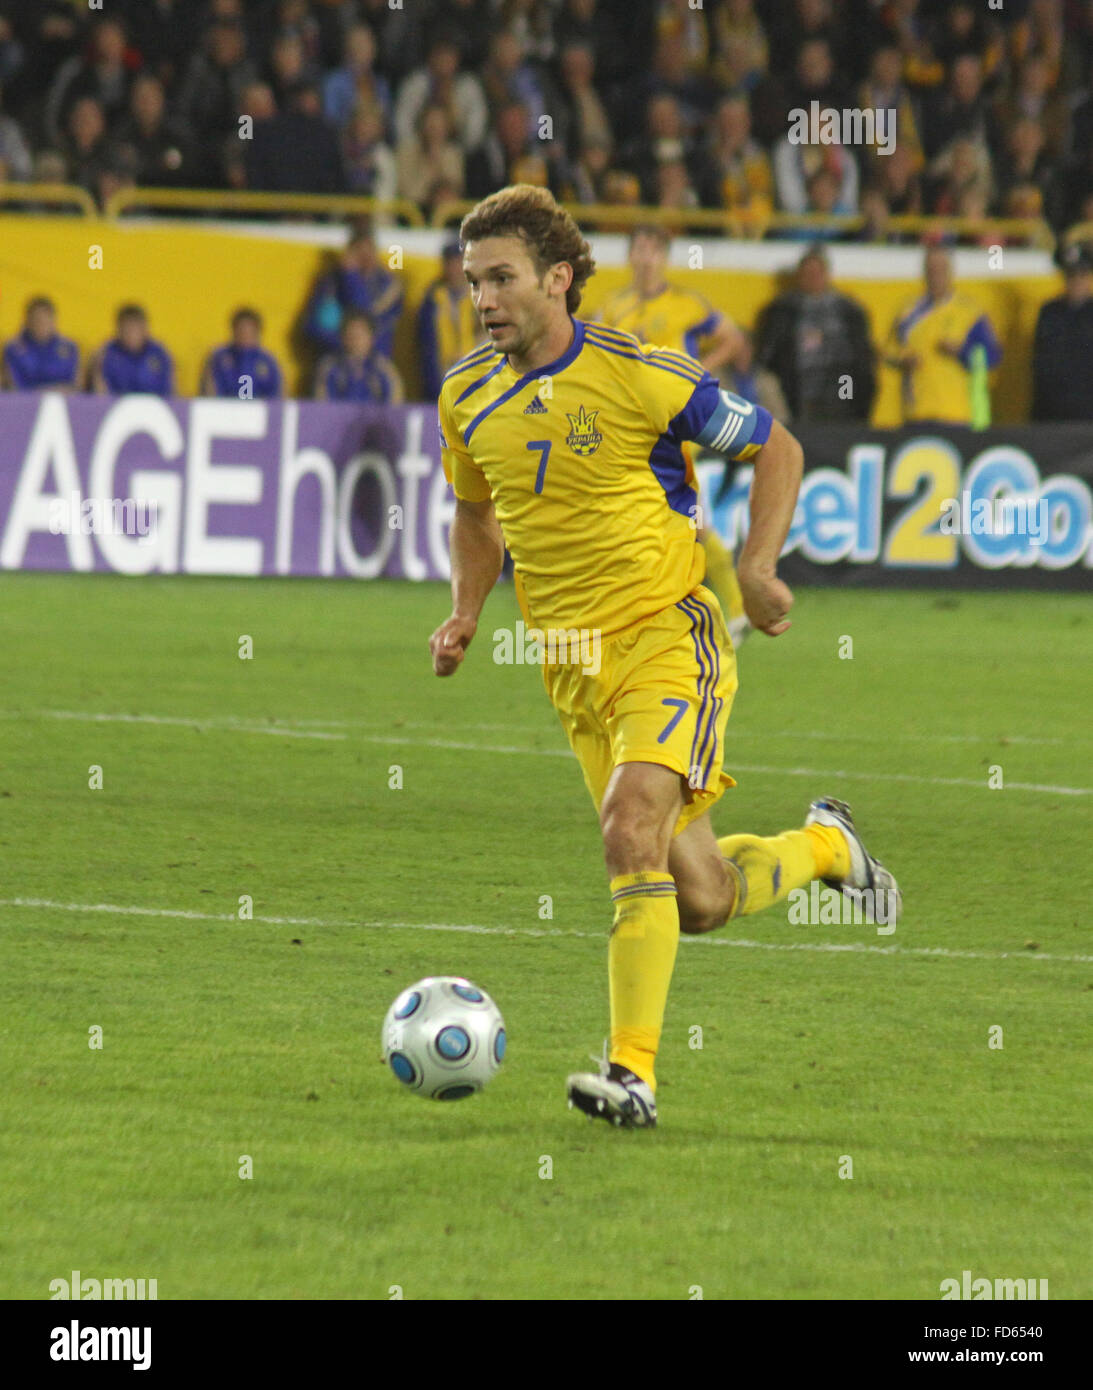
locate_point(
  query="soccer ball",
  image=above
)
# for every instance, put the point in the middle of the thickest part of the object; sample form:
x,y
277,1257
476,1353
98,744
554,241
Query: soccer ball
x,y
444,1037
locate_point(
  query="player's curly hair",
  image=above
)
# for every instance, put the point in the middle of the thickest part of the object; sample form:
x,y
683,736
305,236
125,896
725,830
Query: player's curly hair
x,y
549,231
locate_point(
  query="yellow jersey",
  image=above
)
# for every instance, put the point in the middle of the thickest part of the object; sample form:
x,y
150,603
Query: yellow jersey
x,y
939,388
674,317
583,459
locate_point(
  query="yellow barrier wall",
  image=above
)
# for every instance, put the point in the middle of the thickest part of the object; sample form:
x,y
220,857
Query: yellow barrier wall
x,y
191,278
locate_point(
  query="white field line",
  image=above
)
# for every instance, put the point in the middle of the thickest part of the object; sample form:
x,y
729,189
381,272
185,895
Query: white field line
x,y
468,929
284,730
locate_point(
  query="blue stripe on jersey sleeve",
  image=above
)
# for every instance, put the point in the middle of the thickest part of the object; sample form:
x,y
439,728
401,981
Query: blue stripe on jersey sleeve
x,y
733,424
701,330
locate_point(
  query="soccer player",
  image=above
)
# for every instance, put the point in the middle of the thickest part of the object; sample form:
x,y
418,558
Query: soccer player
x,y
656,311
358,372
243,367
132,361
447,326
944,344
39,359
588,485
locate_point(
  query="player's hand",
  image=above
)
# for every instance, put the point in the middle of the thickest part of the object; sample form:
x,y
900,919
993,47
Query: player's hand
x,y
767,600
449,643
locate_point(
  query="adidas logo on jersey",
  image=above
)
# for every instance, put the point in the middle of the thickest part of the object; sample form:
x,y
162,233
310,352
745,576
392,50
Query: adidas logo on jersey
x,y
535,408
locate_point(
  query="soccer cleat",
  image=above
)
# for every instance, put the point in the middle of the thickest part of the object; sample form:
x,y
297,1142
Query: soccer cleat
x,y
868,878
614,1094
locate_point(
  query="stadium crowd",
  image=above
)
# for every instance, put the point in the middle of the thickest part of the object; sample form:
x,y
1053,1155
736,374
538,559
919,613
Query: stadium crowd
x,y
663,103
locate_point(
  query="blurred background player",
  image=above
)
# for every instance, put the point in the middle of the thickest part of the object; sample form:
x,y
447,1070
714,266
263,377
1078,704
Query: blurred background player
x,y
132,361
39,359
656,311
941,343
358,281
243,367
447,326
359,372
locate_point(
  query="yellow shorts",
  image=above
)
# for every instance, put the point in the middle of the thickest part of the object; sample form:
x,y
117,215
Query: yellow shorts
x,y
662,695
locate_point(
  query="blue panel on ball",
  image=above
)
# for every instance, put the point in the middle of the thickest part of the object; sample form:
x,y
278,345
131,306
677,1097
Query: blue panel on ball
x,y
499,1044
402,1067
453,1042
455,1093
468,992
405,1010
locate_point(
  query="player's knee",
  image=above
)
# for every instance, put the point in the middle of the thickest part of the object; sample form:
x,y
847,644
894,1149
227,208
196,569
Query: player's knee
x,y
696,921
633,841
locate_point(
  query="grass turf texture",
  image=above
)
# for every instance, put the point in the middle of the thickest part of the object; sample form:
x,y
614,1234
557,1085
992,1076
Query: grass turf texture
x,y
224,1037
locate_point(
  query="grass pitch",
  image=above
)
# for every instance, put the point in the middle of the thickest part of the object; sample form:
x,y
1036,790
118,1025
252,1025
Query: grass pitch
x,y
272,778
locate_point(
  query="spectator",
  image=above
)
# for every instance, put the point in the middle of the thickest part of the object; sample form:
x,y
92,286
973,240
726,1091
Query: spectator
x,y
736,174
158,148
243,368
104,75
164,33
358,372
14,150
884,90
1033,99
356,82
796,165
358,281
473,20
447,326
39,359
296,151
582,112
934,343
431,156
816,341
684,26
960,109
288,67
587,174
1063,346
506,78
962,29
255,102
370,165
742,52
215,80
132,362
440,81
963,165
665,140
506,156
1027,174
899,182
86,148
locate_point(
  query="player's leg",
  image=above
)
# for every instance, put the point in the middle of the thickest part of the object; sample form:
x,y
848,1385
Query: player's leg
x,y
740,874
639,812
737,875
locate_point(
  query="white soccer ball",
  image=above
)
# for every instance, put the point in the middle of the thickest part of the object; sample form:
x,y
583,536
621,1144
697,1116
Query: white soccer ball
x,y
444,1037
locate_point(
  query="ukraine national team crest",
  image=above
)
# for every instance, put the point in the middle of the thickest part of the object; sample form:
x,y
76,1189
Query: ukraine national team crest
x,y
583,438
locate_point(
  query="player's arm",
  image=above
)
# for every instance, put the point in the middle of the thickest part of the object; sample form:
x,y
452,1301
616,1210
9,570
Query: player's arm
x,y
750,434
725,342
478,552
779,466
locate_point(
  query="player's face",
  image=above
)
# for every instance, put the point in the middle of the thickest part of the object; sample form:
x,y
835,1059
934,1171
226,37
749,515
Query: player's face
x,y
516,305
648,261
133,333
246,334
